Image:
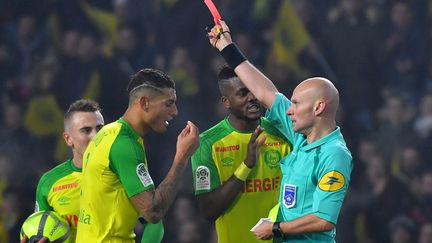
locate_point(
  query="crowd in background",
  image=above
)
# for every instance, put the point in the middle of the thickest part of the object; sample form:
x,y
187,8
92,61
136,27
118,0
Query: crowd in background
x,y
377,52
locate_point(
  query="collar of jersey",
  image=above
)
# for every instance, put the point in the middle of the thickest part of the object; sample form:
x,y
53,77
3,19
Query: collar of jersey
x,y
129,127
327,138
232,128
73,166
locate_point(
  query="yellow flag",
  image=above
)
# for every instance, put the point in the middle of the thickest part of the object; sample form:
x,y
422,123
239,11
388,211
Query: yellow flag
x,y
43,116
291,37
106,24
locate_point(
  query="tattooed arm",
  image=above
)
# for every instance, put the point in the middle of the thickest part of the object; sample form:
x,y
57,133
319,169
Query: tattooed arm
x,y
154,203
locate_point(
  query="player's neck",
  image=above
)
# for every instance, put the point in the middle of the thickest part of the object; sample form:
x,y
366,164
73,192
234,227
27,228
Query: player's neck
x,y
77,161
135,121
243,125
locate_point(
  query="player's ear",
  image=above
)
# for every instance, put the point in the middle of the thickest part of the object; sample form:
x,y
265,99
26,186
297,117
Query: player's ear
x,y
225,102
144,103
68,139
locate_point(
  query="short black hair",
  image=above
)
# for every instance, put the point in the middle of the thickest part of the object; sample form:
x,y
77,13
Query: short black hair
x,y
81,105
151,78
225,75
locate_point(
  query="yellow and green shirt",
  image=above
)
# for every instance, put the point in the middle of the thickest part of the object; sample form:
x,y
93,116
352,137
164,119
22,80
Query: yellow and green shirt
x,y
114,170
222,149
59,190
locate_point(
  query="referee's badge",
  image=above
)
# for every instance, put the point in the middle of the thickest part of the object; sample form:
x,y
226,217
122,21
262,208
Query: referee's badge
x,y
289,195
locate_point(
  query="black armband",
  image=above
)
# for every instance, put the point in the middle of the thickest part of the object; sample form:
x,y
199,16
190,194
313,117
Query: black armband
x,y
233,56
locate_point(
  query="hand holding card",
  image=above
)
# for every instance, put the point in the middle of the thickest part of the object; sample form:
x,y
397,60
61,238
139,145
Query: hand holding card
x,y
260,222
213,10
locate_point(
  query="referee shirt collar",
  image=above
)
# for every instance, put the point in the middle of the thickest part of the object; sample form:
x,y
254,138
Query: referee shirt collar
x,y
336,134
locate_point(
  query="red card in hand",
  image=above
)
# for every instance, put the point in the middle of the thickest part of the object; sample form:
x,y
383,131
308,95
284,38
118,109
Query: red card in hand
x,y
213,10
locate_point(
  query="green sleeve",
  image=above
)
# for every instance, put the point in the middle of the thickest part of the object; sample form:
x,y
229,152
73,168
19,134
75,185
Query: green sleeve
x,y
153,233
42,195
127,160
204,171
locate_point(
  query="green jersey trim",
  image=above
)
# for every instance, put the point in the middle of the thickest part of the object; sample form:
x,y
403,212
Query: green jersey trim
x,y
127,155
47,181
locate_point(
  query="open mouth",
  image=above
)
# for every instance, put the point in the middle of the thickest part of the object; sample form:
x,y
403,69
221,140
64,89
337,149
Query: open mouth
x,y
253,108
166,122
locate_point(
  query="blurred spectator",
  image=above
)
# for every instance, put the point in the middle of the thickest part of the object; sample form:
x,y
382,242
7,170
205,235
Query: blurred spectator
x,y
395,125
183,70
132,52
425,235
69,45
350,44
43,116
386,194
402,230
9,62
423,122
403,52
410,166
423,209
20,145
30,42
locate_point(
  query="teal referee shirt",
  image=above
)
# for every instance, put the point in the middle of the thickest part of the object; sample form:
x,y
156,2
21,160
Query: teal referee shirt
x,y
315,176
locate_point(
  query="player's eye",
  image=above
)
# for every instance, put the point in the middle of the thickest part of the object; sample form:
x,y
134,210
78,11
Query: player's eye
x,y
243,92
170,103
86,130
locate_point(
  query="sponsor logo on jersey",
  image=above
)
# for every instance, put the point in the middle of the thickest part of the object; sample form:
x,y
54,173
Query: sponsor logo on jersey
x,y
64,201
144,175
261,185
331,181
84,217
273,144
272,158
202,180
227,161
65,186
72,219
227,148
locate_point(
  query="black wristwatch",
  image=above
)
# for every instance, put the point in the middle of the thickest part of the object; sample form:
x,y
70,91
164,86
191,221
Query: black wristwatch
x,y
277,232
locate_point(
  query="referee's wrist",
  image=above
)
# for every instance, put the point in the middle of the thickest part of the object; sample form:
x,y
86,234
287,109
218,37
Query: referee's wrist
x,y
276,230
232,55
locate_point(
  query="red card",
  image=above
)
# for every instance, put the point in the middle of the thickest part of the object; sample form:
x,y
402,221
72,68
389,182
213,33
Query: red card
x,y
213,10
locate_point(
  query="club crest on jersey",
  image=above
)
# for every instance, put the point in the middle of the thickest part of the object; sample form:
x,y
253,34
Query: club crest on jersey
x,y
331,181
272,158
202,178
144,175
289,195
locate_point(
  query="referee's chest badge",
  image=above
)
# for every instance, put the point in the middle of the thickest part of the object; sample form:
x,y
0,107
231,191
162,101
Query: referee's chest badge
x,y
289,195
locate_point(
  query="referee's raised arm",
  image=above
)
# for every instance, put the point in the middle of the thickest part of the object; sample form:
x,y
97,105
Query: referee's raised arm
x,y
260,86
